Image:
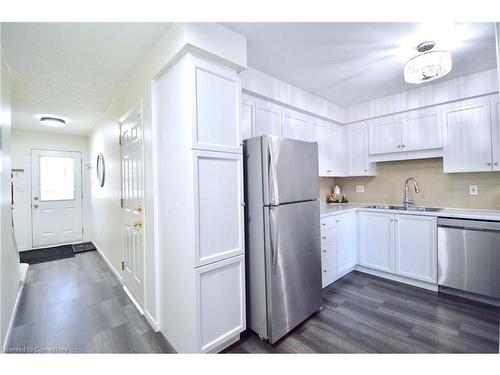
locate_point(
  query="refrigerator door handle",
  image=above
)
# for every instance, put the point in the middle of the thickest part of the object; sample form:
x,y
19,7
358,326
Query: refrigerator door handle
x,y
273,178
273,228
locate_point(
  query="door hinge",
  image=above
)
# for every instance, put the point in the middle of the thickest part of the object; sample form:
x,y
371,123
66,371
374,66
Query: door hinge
x,y
123,265
120,140
122,203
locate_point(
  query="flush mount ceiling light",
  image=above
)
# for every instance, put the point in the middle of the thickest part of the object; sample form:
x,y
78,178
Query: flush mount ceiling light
x,y
428,65
53,121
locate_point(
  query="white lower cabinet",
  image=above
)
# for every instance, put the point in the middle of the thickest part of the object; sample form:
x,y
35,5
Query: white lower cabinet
x,y
346,243
338,250
416,244
220,301
400,244
376,240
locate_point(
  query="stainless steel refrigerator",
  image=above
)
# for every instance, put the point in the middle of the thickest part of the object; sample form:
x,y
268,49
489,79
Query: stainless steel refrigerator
x,y
282,234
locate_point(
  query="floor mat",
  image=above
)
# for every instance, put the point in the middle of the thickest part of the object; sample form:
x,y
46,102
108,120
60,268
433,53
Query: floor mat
x,y
81,247
46,255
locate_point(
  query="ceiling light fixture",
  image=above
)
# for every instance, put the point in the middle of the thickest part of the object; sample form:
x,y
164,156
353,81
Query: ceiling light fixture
x,y
428,65
53,121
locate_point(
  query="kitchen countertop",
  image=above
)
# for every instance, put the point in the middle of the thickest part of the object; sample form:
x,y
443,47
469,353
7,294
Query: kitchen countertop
x,y
462,213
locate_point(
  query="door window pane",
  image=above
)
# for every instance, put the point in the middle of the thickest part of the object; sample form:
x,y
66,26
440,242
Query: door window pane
x,y
57,178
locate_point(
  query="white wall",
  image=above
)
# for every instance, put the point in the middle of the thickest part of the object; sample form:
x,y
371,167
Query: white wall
x,y
9,258
210,38
23,141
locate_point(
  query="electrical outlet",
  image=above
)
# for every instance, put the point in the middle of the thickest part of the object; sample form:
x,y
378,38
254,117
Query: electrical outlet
x,y
473,190
360,188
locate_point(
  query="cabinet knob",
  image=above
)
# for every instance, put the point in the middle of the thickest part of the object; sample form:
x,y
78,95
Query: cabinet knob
x,y
337,221
328,171
323,224
323,238
399,146
495,163
366,170
324,271
488,163
403,145
323,251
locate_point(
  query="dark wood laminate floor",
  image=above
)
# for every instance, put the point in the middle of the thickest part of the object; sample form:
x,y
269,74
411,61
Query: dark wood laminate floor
x,y
77,305
367,314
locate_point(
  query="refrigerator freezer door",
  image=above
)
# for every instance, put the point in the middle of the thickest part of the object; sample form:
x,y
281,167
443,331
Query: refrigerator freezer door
x,y
293,266
290,170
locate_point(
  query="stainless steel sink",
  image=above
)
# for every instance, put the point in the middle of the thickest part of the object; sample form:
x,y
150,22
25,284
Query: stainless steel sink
x,y
403,208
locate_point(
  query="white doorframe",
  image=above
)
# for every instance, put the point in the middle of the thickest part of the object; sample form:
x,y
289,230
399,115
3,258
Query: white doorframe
x,y
35,179
139,108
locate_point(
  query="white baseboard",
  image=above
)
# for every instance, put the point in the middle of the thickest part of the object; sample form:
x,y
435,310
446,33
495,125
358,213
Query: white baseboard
x,y
116,273
23,274
401,279
153,323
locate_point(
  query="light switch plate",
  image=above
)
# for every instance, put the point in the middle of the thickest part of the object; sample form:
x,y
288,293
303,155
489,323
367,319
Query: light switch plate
x,y
360,188
473,190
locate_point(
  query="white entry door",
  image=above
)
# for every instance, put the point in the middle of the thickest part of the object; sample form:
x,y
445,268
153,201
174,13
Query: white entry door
x,y
132,203
56,188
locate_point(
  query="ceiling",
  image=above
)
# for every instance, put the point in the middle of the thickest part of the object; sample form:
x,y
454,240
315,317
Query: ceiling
x,y
350,63
73,70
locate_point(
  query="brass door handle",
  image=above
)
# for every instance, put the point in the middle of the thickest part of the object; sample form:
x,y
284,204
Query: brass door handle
x,y
139,209
138,224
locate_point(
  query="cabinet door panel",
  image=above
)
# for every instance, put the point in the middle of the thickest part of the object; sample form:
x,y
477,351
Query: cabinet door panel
x,y
217,100
358,164
220,302
219,227
416,244
295,126
346,240
247,118
317,133
495,132
336,150
267,119
421,131
376,240
467,138
384,137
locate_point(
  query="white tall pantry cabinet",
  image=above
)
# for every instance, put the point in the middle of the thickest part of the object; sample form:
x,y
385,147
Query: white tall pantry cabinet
x,y
200,206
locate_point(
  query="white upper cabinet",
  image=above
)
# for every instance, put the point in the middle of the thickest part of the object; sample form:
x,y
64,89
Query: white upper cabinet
x,y
421,130
217,101
467,137
295,125
495,132
318,133
384,136
357,141
336,137
267,119
411,131
247,118
330,147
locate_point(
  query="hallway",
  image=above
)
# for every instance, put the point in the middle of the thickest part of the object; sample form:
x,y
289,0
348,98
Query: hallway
x,y
77,305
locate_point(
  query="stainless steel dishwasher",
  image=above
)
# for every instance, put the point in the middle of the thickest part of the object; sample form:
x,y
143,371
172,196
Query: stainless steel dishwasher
x,y
469,256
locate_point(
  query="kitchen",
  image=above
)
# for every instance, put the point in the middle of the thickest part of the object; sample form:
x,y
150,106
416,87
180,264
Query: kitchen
x,y
300,188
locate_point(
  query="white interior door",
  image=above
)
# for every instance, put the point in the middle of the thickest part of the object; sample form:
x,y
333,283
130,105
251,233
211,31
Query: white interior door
x,y
56,188
132,203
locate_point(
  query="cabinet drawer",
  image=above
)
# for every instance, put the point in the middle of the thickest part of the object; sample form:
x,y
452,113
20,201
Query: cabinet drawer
x,y
328,262
328,234
327,222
